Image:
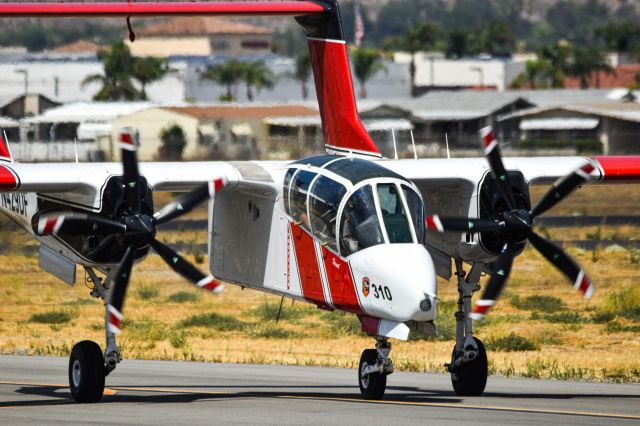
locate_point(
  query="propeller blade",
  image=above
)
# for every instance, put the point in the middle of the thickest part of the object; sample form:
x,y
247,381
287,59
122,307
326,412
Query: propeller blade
x,y
496,283
492,152
120,279
462,224
186,269
564,263
130,168
77,224
563,187
187,202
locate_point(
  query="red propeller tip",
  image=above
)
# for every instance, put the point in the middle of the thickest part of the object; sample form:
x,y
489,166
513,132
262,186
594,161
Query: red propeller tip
x,y
488,139
114,319
211,284
433,223
127,140
584,285
481,308
50,225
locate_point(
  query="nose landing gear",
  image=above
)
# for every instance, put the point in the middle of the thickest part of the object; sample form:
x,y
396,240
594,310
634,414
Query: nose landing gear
x,y
375,366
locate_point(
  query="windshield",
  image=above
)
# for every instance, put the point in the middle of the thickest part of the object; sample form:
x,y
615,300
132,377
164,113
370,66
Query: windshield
x,y
394,216
416,211
359,225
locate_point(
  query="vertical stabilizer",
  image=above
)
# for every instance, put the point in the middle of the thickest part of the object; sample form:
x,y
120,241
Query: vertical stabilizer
x,y
5,152
343,131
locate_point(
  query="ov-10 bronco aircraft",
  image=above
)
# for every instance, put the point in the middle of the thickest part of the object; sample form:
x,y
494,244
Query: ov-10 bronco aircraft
x,y
348,230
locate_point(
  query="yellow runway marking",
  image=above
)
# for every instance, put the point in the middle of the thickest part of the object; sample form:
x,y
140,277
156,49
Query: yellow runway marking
x,y
113,390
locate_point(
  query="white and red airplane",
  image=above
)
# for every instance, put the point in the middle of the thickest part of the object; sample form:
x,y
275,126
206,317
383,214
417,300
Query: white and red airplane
x,y
348,230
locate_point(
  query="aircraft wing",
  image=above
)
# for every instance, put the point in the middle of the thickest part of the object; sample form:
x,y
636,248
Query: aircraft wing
x,y
537,170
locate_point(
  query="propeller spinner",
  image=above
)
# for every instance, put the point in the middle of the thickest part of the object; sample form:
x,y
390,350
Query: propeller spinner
x,y
137,229
517,227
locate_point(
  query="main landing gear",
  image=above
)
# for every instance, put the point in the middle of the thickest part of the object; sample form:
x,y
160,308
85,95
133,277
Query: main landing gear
x,y
469,366
88,366
375,366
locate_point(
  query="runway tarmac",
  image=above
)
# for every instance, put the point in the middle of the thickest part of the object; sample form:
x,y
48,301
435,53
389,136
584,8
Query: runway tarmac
x,y
34,390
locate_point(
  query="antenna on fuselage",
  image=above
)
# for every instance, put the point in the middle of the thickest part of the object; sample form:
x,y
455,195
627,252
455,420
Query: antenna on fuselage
x,y
446,140
413,142
75,147
395,148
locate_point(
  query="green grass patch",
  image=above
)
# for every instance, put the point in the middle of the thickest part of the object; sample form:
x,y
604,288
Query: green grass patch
x,y
81,302
148,292
602,317
178,338
273,332
616,327
213,320
53,317
184,297
145,330
268,311
547,304
445,319
512,342
560,317
340,323
625,303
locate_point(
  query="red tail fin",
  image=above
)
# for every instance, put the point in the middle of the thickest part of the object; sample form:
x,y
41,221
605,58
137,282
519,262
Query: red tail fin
x,y
5,153
341,125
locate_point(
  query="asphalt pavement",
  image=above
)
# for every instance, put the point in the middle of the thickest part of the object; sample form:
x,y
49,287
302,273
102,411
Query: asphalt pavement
x,y
34,390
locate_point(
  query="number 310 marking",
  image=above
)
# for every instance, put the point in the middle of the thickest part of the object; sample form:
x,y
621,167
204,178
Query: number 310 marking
x,y
380,291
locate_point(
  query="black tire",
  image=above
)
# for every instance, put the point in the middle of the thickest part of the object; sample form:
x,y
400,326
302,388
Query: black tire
x,y
86,372
470,379
374,384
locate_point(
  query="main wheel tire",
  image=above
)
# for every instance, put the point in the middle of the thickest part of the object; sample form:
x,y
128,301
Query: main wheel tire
x,y
86,372
470,379
372,386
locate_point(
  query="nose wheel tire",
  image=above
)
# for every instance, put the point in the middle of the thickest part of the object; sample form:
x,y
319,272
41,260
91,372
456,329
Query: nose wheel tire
x,y
86,372
470,378
372,385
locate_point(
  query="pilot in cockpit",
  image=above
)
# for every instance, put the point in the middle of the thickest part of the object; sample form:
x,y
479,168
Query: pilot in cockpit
x,y
360,226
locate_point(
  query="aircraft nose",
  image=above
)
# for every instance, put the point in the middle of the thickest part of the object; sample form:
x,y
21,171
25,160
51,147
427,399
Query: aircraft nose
x,y
400,281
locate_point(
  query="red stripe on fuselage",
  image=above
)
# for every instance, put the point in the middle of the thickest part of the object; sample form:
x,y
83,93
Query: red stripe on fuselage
x,y
310,279
8,179
341,285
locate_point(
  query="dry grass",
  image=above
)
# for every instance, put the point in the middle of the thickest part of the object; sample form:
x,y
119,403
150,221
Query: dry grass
x,y
588,340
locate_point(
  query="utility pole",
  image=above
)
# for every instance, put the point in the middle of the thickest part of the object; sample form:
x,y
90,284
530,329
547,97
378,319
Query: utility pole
x,y
26,79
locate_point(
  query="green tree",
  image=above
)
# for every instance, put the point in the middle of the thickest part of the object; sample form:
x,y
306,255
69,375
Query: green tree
x,y
117,64
256,75
366,63
148,70
558,55
173,143
419,38
303,72
538,74
584,62
227,74
620,37
498,39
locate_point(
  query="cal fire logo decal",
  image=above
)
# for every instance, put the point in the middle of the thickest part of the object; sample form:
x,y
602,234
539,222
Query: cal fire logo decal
x,y
365,286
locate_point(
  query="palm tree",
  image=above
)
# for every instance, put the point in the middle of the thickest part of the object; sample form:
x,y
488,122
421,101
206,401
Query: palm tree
x,y
366,63
227,74
584,62
117,64
303,71
256,74
148,70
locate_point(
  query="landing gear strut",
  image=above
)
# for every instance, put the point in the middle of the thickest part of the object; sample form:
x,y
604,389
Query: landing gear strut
x,y
88,365
469,366
375,366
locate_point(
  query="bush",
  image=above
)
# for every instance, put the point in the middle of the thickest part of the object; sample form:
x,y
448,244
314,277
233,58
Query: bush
x,y
538,303
341,323
145,330
148,292
52,317
602,317
184,296
213,320
173,143
446,320
616,327
178,338
511,343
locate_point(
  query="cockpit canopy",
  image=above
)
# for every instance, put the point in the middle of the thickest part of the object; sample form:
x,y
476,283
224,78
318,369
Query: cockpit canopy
x,y
351,204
